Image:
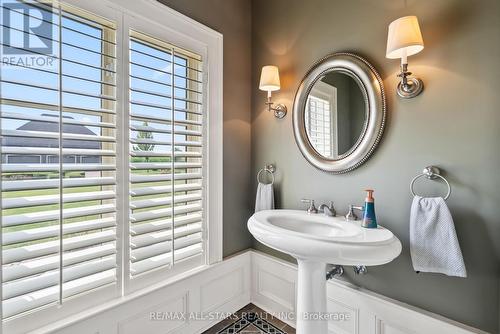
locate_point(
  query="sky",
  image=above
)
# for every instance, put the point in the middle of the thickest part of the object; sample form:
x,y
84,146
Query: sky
x,y
88,51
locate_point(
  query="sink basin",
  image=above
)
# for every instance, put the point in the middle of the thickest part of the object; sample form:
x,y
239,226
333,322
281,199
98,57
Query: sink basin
x,y
315,240
324,239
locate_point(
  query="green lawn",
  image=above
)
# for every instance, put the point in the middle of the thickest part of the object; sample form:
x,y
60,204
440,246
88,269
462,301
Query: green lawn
x,y
31,193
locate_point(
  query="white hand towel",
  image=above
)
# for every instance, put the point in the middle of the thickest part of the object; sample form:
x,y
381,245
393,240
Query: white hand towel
x,y
265,197
433,241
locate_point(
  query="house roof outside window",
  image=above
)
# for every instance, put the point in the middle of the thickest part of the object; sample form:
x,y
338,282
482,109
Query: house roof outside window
x,y
43,126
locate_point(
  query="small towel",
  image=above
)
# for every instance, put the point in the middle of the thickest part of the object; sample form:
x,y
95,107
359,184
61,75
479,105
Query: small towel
x,y
265,197
433,241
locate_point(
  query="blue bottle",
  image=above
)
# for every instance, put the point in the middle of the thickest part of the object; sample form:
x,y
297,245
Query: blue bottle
x,y
369,218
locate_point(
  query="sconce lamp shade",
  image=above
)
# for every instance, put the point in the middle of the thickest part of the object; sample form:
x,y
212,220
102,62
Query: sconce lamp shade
x,y
269,78
404,38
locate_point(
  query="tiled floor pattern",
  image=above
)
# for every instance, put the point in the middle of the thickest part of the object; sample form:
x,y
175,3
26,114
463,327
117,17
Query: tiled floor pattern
x,y
251,320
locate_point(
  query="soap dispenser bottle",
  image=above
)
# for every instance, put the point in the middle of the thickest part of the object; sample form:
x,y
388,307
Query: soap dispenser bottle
x,y
369,219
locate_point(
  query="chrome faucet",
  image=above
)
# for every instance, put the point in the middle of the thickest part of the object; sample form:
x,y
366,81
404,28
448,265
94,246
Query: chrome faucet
x,y
312,208
328,210
350,214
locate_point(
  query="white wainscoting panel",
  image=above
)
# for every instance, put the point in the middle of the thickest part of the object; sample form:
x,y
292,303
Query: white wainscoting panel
x,y
354,310
221,288
349,324
137,323
273,286
254,277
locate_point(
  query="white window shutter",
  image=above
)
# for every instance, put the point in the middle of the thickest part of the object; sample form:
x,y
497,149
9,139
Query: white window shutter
x,y
166,154
59,165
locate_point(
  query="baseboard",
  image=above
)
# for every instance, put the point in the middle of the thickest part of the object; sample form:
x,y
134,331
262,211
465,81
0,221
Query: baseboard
x,y
357,311
269,283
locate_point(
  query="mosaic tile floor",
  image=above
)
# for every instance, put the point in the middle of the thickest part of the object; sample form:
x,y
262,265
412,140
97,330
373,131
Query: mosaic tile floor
x,y
251,320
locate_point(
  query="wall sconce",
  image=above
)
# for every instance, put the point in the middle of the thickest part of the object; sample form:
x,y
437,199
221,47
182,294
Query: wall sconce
x,y
270,81
405,39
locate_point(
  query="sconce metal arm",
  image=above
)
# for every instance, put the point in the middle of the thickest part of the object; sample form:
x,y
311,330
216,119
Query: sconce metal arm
x,y
279,111
408,87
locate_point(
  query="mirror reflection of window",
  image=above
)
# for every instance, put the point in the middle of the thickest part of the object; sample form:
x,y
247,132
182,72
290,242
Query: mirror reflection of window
x,y
335,115
321,119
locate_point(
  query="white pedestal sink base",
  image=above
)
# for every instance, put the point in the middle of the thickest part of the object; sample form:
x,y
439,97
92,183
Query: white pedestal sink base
x,y
315,240
311,297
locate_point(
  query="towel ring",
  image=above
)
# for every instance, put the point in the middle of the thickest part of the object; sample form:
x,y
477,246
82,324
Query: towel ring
x,y
431,172
269,169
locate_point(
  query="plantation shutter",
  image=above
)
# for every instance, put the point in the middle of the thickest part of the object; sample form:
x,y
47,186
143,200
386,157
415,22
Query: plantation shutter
x,y
58,166
166,154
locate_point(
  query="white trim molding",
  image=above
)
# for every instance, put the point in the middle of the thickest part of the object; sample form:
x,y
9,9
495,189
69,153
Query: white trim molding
x,y
206,294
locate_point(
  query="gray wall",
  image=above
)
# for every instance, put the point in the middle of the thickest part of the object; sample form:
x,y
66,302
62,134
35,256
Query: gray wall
x,y
232,19
454,124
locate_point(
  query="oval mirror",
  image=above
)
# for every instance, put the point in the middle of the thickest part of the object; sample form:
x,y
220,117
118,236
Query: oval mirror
x,y
339,112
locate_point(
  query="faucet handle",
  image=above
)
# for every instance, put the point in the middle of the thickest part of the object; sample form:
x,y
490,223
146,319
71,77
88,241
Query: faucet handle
x,y
312,208
350,214
332,209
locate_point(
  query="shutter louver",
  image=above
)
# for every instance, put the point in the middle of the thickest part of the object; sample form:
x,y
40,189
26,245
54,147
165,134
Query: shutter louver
x,y
166,152
59,165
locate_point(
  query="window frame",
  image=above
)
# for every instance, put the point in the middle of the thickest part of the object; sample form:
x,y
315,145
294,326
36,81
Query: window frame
x,y
184,32
189,34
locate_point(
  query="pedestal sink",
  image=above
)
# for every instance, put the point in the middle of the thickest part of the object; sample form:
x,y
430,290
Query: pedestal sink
x,y
316,240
